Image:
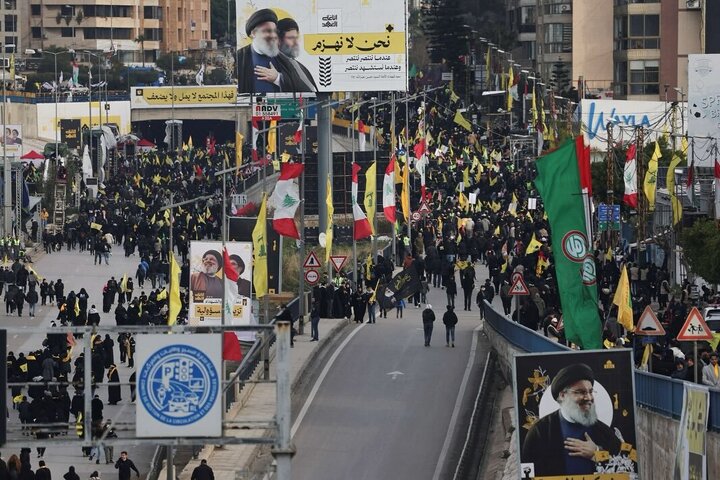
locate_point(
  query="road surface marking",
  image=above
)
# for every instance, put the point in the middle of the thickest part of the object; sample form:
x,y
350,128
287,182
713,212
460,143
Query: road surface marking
x,y
458,404
394,374
320,379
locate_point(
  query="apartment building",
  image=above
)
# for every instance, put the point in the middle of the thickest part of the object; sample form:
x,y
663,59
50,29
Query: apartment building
x,y
11,27
133,28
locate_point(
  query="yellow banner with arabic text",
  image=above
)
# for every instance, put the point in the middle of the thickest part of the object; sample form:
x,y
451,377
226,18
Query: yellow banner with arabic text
x,y
183,96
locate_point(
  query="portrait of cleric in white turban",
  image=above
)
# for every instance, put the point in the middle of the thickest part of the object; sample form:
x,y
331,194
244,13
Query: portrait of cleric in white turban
x,y
576,414
268,64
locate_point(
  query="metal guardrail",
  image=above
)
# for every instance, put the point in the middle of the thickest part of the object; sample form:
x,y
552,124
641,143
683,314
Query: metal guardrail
x,y
661,394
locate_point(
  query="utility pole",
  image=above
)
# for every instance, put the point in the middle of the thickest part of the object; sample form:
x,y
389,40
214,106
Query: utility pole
x,y
640,158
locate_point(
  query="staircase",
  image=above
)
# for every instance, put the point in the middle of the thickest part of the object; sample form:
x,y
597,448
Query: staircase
x,y
59,209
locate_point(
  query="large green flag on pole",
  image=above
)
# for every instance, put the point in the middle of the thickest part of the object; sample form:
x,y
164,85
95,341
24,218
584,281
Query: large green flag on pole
x,y
559,184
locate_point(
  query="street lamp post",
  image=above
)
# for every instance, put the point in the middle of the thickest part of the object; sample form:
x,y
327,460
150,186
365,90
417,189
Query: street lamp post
x,y
7,197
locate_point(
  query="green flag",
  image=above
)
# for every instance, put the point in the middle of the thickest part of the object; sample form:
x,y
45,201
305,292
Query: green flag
x,y
558,182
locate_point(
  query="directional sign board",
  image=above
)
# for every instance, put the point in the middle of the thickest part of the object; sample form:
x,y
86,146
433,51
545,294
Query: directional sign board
x,y
519,287
311,261
338,261
312,276
648,324
695,329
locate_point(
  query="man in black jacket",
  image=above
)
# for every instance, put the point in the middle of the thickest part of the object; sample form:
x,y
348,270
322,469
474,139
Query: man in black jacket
x,y
124,466
428,317
202,472
43,472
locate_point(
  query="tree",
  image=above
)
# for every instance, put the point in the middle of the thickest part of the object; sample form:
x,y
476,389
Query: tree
x,y
701,247
219,21
559,78
447,32
141,40
216,76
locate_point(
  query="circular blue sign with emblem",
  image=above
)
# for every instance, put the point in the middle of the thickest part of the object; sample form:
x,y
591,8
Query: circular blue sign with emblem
x,y
178,385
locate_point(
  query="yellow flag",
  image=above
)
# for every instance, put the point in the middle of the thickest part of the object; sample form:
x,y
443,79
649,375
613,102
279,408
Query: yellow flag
x,y
174,303
272,138
238,149
405,195
533,246
651,177
675,202
163,294
95,226
466,177
123,283
462,201
259,238
623,300
285,157
462,121
497,231
370,194
140,203
329,224
511,79
190,142
77,306
453,96
646,355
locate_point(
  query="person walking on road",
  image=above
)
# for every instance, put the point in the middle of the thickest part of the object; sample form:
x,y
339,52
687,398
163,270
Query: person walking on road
x,y
43,472
428,317
314,322
450,320
124,466
70,474
202,472
451,290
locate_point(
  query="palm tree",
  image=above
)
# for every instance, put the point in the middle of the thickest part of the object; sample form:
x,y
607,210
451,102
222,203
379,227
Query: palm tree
x,y
141,40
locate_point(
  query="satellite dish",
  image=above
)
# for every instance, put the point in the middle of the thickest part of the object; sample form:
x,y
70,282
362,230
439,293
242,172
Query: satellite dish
x,y
322,239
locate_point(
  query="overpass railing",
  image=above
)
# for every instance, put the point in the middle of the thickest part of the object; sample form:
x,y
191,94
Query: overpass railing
x,y
661,394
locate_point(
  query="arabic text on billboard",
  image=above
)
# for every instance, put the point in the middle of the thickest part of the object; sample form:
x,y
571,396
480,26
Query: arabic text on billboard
x,y
321,45
147,97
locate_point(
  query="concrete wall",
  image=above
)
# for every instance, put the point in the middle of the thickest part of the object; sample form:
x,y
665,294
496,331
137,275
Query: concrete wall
x,y
656,434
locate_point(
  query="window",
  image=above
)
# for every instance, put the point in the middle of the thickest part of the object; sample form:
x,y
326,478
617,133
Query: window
x,y
67,32
557,7
11,41
152,13
11,23
637,32
153,34
179,37
35,10
36,32
67,10
204,16
558,38
179,17
637,77
10,4
205,34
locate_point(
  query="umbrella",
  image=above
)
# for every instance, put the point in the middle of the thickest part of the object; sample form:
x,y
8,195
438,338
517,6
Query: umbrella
x,y
33,155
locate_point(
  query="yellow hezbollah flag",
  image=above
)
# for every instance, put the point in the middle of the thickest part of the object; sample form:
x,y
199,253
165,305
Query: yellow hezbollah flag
x,y
123,283
370,194
329,227
533,246
623,301
462,121
497,231
405,195
651,177
174,302
259,238
272,138
95,226
670,181
238,149
511,80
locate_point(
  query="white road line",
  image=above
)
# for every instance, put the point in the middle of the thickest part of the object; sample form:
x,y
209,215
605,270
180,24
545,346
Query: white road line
x,y
458,404
318,382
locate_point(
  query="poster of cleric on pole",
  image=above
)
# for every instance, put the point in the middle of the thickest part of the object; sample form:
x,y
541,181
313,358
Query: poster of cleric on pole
x,y
321,45
576,415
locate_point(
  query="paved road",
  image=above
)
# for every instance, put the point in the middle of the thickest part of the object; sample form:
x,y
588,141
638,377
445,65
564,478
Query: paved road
x,y
362,424
77,271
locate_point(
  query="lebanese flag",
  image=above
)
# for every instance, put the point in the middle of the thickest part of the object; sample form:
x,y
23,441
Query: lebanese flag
x,y
630,177
255,135
389,191
286,200
232,297
419,149
420,165
297,137
232,350
362,228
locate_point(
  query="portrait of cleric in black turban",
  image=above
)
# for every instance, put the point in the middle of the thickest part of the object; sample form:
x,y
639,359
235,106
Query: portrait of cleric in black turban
x,y
576,414
268,64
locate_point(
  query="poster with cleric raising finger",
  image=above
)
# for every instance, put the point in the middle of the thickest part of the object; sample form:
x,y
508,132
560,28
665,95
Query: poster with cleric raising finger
x,y
576,415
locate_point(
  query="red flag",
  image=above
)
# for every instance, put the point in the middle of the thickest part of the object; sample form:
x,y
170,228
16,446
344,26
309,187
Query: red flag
x,y
389,191
362,228
630,177
255,135
286,200
583,156
419,148
360,126
231,347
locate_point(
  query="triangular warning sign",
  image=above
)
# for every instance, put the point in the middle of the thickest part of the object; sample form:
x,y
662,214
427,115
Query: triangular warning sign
x,y
695,328
423,208
311,261
519,287
338,261
648,324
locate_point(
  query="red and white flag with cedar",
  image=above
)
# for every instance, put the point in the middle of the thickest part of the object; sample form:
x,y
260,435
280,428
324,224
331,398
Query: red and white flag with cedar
x,y
232,296
362,227
630,177
255,134
286,200
389,191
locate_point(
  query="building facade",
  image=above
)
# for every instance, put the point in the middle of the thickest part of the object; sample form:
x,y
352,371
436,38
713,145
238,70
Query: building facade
x,y
137,29
11,14
522,19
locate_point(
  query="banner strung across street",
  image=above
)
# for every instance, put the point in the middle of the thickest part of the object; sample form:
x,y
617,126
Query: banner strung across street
x,y
704,106
182,96
690,454
207,282
321,45
178,384
576,415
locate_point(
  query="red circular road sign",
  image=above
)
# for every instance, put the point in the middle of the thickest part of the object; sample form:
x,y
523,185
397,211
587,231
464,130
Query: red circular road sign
x,y
312,276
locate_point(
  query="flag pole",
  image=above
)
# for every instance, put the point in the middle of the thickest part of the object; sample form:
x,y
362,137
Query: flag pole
x,y
301,271
353,200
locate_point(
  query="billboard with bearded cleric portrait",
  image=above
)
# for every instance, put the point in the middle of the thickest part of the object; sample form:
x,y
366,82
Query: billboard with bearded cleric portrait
x,y
321,45
576,415
207,282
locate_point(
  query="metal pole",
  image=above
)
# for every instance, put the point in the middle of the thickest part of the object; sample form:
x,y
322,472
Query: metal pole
x,y
57,121
301,273
90,137
354,244
169,467
324,134
7,197
283,450
87,387
695,361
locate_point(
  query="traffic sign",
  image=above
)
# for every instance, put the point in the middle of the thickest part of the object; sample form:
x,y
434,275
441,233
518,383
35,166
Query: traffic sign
x,y
424,209
648,324
263,111
338,261
695,328
519,287
416,216
311,261
312,276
